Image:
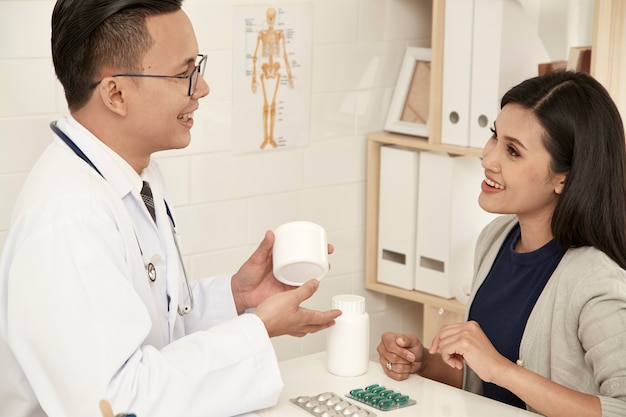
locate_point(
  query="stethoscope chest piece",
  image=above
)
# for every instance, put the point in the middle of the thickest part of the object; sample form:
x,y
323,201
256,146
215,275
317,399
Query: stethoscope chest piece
x,y
151,272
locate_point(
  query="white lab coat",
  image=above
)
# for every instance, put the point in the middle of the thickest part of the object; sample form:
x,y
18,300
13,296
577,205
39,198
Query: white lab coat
x,y
80,321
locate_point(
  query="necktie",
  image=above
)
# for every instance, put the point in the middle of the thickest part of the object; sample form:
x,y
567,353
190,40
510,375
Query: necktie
x,y
146,195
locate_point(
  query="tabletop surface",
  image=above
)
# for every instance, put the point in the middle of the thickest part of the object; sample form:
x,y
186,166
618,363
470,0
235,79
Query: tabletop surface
x,y
307,376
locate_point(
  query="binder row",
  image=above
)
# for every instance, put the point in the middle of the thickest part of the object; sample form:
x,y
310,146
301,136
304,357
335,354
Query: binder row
x,y
489,47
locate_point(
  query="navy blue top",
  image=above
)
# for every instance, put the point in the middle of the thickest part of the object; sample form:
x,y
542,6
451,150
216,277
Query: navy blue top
x,y
505,299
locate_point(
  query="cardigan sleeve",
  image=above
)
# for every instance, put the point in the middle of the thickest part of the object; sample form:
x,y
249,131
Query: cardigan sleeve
x,y
599,304
576,333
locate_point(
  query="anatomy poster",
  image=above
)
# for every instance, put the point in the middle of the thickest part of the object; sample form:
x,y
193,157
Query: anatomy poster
x,y
271,77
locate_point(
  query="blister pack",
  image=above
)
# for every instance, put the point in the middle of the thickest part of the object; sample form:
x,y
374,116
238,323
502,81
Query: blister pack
x,y
329,404
381,398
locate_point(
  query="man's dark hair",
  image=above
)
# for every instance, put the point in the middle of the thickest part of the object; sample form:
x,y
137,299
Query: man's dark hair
x,y
88,35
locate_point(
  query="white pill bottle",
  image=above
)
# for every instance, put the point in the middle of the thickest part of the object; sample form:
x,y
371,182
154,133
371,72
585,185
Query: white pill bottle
x,y
347,343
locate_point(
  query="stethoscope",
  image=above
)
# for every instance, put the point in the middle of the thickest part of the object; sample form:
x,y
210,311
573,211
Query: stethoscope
x,y
150,269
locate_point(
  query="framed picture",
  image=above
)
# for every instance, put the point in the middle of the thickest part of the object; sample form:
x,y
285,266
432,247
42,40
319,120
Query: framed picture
x,y
408,111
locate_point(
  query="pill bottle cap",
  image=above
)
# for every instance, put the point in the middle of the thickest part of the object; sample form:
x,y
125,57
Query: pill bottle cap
x,y
349,303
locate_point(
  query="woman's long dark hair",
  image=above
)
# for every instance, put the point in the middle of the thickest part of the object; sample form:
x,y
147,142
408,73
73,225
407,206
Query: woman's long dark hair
x,y
584,135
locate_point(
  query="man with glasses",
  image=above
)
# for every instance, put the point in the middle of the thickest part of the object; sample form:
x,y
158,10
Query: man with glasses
x,y
193,77
94,300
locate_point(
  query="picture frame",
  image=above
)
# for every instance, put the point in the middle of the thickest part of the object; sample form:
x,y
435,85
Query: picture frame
x,y
409,107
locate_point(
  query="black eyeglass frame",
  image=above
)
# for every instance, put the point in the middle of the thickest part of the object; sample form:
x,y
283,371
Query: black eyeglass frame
x,y
193,77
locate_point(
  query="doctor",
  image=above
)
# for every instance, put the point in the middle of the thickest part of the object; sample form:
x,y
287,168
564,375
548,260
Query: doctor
x,y
94,300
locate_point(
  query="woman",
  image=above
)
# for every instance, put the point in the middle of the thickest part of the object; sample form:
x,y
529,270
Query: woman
x,y
546,325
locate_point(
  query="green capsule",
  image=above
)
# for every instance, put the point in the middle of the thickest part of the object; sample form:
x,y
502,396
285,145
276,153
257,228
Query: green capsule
x,y
368,397
378,389
386,392
394,395
385,404
371,387
360,394
373,400
356,391
403,400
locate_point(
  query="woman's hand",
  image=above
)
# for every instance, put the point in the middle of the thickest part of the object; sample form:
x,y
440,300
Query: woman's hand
x,y
467,342
400,355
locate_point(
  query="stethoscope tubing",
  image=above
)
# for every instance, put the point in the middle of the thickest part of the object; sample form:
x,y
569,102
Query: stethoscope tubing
x,y
70,143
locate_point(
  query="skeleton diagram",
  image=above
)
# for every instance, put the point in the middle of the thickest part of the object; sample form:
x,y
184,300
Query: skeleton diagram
x,y
270,42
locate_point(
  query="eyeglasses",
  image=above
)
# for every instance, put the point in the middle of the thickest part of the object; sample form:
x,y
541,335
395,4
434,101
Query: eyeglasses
x,y
193,77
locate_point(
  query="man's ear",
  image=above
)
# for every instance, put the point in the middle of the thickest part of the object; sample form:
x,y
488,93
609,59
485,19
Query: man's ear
x,y
112,95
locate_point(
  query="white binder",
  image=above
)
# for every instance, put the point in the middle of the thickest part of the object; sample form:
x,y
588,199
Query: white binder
x,y
504,49
507,50
433,224
457,71
467,220
397,216
449,221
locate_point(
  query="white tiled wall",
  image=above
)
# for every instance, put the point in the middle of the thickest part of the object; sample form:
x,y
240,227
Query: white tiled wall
x,y
224,202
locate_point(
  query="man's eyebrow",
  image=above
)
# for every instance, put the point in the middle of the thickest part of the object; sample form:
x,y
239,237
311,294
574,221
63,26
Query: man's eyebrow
x,y
185,63
191,61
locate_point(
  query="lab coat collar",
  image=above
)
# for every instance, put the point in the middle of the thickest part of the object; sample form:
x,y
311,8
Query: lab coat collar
x,y
118,173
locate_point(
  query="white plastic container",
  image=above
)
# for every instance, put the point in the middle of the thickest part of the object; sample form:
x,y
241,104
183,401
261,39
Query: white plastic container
x,y
348,340
300,252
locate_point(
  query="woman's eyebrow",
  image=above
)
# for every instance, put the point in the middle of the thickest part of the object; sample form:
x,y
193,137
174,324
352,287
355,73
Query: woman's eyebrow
x,y
515,141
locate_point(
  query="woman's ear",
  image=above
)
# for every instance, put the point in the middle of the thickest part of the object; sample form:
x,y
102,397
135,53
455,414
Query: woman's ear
x,y
111,94
559,183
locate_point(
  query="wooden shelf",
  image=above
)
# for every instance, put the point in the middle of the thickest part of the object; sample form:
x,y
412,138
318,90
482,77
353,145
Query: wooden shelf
x,y
421,144
452,304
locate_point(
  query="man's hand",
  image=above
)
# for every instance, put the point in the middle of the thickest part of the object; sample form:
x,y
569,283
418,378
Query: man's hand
x,y
255,280
281,313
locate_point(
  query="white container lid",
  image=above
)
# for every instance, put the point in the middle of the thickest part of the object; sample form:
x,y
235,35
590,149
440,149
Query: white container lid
x,y
349,304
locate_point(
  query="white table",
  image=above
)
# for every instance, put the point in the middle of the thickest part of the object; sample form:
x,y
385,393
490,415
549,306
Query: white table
x,y
308,376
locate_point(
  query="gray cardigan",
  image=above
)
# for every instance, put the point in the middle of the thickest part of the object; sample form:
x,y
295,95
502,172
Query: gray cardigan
x,y
576,333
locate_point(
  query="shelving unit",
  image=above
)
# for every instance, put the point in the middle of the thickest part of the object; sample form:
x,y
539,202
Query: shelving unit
x,y
608,65
437,310
608,57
